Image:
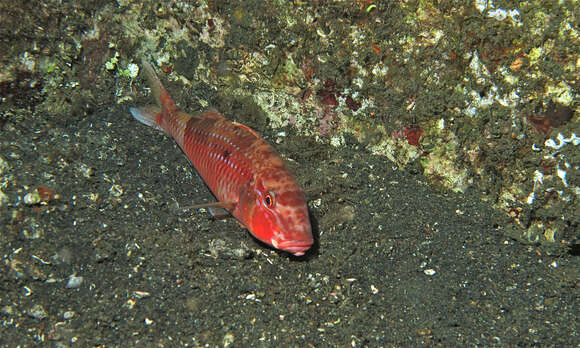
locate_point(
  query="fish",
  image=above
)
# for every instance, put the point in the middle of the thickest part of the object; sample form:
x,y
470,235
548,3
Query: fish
x,y
247,176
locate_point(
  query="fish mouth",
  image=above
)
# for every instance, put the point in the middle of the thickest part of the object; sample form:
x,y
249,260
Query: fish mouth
x,y
295,247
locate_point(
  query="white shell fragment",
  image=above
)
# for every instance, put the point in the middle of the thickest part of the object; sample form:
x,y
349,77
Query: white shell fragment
x,y
562,141
74,282
429,272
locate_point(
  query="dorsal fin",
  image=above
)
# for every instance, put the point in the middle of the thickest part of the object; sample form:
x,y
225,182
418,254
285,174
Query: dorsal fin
x,y
248,129
162,98
212,114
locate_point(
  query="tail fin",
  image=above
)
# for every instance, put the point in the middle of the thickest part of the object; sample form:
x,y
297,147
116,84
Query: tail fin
x,y
162,98
149,115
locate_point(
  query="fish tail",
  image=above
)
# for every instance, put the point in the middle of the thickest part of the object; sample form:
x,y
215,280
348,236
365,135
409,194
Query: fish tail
x,y
148,115
162,98
152,115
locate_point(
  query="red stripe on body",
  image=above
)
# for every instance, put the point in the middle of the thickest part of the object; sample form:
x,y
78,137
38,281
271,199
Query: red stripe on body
x,y
217,149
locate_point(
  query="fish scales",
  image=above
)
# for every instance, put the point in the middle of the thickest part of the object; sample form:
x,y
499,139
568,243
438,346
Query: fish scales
x,y
243,171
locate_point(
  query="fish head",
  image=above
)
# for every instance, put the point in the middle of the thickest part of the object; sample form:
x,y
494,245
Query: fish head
x,y
274,210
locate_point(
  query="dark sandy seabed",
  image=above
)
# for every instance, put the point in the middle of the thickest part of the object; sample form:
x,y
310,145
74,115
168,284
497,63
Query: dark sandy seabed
x,y
103,256
395,263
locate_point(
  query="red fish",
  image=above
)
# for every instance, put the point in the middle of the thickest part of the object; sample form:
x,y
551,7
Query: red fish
x,y
243,171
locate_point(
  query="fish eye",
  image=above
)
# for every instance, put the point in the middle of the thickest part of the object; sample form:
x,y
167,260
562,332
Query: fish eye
x,y
269,199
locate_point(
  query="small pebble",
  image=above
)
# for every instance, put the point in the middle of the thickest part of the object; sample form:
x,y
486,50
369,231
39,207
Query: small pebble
x,y
74,282
7,310
37,312
429,272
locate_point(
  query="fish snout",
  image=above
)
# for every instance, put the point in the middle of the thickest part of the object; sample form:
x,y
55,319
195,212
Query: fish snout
x,y
295,247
